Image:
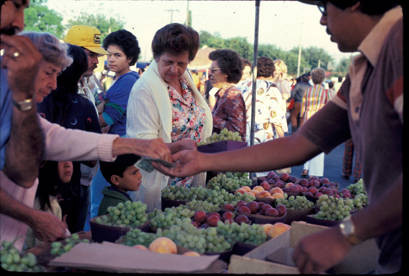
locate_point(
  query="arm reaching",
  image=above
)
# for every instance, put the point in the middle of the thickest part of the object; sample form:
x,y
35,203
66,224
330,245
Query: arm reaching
x,y
322,250
275,154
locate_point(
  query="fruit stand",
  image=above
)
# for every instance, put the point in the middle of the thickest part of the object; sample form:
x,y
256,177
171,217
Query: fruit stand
x,y
233,222
229,218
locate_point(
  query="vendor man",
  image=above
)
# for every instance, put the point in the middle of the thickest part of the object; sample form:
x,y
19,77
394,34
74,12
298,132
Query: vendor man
x,y
368,109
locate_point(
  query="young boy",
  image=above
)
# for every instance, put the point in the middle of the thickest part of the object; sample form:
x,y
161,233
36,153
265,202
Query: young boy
x,y
123,176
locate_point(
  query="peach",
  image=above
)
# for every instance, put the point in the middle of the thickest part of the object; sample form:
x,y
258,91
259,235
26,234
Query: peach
x,y
263,194
258,189
267,227
277,195
163,245
278,229
245,188
276,190
140,246
191,253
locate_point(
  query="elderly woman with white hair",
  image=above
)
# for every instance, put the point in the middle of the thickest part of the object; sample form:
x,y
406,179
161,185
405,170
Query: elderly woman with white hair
x,y
315,97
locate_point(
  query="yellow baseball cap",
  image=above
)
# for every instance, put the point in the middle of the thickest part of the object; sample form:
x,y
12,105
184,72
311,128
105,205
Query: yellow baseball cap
x,y
87,37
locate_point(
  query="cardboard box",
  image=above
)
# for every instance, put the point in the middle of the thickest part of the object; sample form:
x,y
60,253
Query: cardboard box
x,y
360,260
110,257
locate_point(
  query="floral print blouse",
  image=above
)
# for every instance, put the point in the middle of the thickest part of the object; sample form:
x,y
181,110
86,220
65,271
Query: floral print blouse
x,y
229,111
187,122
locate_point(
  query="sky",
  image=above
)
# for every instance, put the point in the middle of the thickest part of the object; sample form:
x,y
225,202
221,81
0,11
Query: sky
x,y
286,24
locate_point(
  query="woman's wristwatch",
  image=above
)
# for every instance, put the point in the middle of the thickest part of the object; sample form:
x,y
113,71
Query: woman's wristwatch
x,y
347,228
24,105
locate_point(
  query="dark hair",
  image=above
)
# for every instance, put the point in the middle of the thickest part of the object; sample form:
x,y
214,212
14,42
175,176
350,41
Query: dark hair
x,y
265,67
67,86
367,6
330,84
117,167
229,62
175,38
126,41
245,62
48,183
67,81
304,77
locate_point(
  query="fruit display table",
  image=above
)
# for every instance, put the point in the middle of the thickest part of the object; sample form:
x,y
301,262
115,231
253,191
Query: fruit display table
x,y
232,216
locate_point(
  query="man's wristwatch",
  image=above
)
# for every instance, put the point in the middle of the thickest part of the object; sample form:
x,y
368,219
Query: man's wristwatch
x,y
24,105
348,230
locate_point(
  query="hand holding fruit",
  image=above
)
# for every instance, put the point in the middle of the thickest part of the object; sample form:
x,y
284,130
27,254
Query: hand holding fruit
x,y
47,227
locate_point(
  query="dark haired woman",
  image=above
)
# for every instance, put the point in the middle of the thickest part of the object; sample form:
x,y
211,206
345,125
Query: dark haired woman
x,y
123,51
229,110
165,103
71,110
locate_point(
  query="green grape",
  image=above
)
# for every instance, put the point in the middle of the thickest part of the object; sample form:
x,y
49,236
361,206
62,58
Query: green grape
x,y
170,216
357,188
60,247
13,260
224,135
136,236
295,202
229,181
129,213
332,208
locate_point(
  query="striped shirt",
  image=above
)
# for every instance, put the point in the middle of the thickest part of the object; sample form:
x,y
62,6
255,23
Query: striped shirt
x,y
314,99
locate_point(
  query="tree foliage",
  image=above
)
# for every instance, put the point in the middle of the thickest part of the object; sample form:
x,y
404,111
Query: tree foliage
x,y
103,24
39,18
311,57
343,66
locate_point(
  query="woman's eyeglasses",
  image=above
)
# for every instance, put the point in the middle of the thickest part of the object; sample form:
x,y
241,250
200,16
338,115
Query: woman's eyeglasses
x,y
322,6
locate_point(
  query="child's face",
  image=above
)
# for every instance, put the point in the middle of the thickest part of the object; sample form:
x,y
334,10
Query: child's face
x,y
65,170
131,179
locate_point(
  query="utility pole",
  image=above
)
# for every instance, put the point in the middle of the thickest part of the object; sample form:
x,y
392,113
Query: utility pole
x,y
299,60
171,13
188,15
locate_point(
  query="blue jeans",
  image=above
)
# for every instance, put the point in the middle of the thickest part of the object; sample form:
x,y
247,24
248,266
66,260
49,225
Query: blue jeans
x,y
97,186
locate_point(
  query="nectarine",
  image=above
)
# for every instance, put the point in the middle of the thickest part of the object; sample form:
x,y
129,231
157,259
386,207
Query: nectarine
x,y
191,253
163,245
278,229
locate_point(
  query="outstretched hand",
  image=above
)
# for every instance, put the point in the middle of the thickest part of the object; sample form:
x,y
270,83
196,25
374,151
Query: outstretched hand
x,y
187,163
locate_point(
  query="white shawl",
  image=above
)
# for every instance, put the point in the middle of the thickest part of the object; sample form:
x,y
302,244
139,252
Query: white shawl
x,y
149,116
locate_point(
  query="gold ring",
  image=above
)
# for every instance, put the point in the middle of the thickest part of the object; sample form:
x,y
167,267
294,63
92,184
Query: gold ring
x,y
16,54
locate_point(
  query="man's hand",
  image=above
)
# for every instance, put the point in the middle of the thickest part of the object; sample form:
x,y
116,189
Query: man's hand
x,y
21,58
183,144
320,251
187,164
47,227
154,148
